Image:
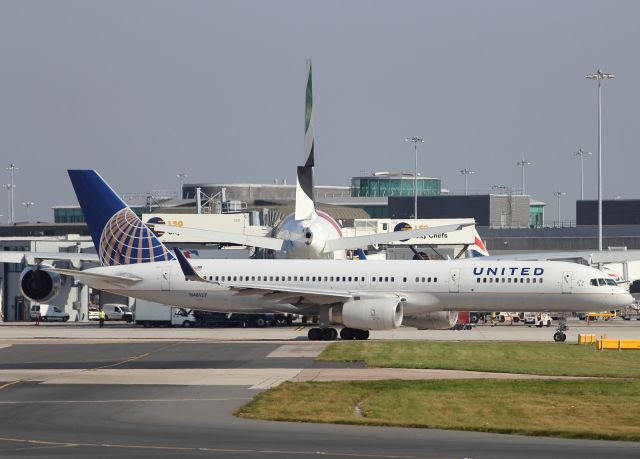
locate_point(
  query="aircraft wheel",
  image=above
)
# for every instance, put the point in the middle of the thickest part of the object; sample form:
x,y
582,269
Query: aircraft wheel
x,y
362,334
315,334
559,337
347,334
329,334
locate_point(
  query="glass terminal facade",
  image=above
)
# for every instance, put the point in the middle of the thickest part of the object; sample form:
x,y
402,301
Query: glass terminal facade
x,y
385,185
74,214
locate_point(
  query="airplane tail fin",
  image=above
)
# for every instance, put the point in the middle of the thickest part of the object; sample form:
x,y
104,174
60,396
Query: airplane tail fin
x,y
305,199
118,234
478,248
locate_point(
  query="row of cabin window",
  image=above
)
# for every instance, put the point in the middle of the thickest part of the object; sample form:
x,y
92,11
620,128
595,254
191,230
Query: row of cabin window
x,y
508,280
313,279
286,278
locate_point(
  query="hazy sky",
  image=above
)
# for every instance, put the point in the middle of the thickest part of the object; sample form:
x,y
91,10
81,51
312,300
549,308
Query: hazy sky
x,y
142,90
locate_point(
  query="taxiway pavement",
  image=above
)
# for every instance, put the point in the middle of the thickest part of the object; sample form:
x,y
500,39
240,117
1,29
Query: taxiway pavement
x,y
165,407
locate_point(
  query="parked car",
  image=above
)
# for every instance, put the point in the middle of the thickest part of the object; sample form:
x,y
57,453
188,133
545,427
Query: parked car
x,y
48,313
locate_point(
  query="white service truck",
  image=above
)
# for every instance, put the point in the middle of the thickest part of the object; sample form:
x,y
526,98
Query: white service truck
x,y
150,314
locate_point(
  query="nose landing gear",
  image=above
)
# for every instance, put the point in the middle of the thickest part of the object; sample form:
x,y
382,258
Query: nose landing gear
x,y
560,335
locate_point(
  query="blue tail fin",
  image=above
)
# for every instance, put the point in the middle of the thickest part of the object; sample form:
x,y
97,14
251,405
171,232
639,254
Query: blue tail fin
x,y
119,235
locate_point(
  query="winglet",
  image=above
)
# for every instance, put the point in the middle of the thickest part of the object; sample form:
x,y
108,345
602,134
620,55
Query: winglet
x,y
187,269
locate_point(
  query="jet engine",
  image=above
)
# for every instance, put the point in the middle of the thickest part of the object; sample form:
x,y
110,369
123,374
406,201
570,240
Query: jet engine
x,y
38,285
439,320
369,313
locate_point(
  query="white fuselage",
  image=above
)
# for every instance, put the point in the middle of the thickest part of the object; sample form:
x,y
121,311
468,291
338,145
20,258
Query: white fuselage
x,y
426,286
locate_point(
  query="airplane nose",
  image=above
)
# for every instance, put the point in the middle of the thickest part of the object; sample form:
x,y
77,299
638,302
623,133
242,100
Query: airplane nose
x,y
625,298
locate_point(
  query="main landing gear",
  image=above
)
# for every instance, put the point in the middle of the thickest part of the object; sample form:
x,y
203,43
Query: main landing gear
x,y
331,334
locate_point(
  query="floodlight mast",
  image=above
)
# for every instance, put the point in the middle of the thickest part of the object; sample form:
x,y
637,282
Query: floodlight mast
x,y
416,140
581,154
524,163
12,216
600,75
559,194
466,172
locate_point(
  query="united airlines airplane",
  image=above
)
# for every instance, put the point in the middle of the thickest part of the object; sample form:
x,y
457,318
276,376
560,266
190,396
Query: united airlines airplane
x,y
359,296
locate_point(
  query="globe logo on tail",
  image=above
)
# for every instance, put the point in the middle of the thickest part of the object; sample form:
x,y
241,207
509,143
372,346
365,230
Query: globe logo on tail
x,y
126,240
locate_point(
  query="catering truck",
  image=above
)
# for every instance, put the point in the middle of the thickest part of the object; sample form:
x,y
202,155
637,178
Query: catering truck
x,y
150,314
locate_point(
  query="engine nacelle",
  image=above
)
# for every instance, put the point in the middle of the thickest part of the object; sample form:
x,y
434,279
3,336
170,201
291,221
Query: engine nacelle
x,y
439,320
369,313
38,285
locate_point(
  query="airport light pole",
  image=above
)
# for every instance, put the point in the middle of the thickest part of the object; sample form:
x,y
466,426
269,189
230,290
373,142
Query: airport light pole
x,y
524,163
581,154
559,194
466,172
8,188
28,205
12,168
181,177
599,75
416,140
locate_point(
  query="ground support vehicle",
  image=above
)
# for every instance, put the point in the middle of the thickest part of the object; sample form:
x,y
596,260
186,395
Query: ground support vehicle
x,y
151,314
630,312
115,311
220,319
463,321
48,313
539,319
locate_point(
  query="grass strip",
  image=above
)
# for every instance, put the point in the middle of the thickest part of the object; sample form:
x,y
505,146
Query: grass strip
x,y
559,359
591,409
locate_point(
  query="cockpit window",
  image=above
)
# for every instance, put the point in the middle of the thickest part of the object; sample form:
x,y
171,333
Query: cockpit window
x,y
601,281
594,282
610,282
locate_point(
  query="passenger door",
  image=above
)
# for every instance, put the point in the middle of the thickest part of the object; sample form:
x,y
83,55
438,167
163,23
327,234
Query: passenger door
x,y
567,281
454,280
165,278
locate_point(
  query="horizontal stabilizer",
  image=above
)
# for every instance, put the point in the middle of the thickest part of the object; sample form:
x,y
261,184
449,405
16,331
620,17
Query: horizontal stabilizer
x,y
202,235
362,242
115,280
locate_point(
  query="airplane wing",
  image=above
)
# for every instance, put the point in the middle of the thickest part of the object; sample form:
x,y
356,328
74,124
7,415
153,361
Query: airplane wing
x,y
200,235
116,281
33,258
588,257
362,242
283,294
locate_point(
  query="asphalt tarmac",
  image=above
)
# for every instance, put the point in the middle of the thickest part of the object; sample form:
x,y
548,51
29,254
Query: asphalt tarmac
x,y
78,398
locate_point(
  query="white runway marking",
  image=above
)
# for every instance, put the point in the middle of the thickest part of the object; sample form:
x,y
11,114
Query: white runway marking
x,y
298,350
294,452
256,378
